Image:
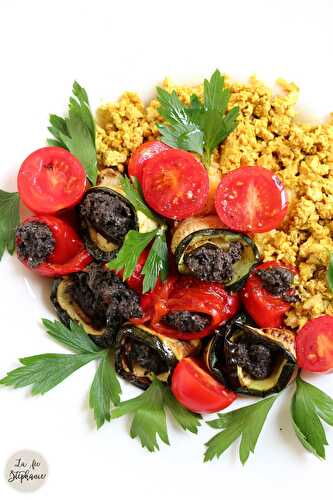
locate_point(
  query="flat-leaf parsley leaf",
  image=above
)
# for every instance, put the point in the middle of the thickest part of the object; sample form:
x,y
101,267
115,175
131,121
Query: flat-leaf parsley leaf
x,y
9,220
309,406
329,274
149,419
197,127
76,132
44,371
246,422
135,242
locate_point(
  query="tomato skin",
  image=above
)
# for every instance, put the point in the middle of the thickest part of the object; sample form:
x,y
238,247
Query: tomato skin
x,y
69,254
251,199
197,390
314,345
143,153
50,180
175,184
264,308
187,294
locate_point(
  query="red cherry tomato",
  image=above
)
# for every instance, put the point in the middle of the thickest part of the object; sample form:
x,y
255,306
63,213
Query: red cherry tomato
x,y
187,294
175,184
251,199
143,153
314,345
266,309
69,255
51,179
197,390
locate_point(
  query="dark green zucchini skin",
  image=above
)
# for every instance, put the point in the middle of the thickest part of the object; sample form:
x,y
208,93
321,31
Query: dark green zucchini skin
x,y
97,253
128,332
106,340
227,372
208,233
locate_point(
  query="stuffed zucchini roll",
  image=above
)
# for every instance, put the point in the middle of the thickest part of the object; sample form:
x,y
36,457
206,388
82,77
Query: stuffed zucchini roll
x,y
98,300
141,352
213,253
250,360
106,216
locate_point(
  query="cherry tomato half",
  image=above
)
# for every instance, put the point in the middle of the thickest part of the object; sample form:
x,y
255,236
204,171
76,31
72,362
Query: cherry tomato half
x,y
314,345
266,309
197,390
251,199
175,184
143,153
51,179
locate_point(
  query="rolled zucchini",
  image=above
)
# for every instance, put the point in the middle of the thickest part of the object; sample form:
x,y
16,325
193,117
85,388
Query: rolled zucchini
x,y
141,352
213,253
250,360
96,299
106,216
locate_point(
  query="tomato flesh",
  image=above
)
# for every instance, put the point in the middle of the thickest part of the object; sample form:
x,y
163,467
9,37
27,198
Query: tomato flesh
x,y
175,184
143,153
314,345
51,179
197,390
251,199
266,309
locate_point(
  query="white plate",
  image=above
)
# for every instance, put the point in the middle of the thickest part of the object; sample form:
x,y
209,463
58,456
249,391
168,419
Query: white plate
x,y
108,49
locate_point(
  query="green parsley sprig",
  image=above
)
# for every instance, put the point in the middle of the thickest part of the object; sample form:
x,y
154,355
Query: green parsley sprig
x,y
329,273
149,418
246,422
198,127
76,132
9,220
135,242
44,371
309,406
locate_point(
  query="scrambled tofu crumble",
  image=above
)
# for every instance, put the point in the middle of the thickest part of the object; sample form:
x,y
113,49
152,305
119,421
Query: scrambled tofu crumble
x,y
268,134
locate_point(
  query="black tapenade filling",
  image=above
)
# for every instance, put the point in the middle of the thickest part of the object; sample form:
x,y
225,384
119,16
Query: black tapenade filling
x,y
145,356
104,298
256,359
278,281
186,321
210,263
34,242
108,214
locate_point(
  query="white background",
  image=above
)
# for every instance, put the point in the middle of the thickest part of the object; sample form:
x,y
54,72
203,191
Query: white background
x,y
109,47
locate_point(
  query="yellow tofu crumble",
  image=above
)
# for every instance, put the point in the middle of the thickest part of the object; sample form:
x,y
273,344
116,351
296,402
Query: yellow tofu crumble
x,y
270,135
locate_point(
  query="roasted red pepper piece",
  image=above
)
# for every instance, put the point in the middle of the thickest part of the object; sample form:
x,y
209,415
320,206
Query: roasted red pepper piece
x,y
266,309
69,254
187,294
